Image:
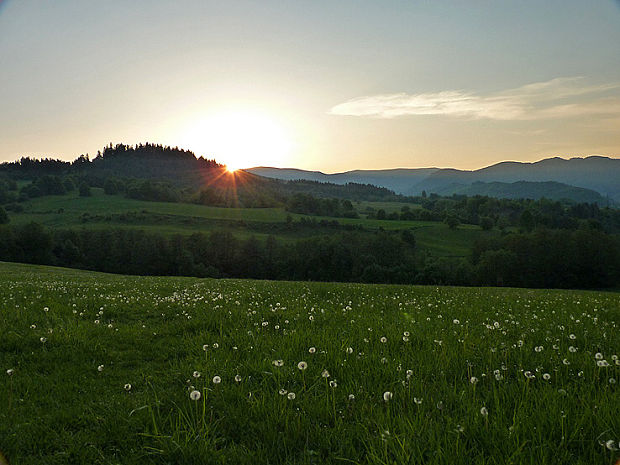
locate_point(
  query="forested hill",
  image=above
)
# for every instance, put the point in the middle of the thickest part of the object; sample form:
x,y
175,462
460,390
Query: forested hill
x,y
596,174
140,161
166,172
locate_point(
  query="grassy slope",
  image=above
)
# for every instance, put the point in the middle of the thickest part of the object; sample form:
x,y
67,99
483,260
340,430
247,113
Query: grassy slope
x,y
188,218
58,408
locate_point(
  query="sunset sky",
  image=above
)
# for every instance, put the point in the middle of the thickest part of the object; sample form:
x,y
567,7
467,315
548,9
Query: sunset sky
x,y
322,85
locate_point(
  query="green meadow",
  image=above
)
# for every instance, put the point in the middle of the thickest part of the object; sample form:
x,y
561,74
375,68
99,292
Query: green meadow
x,y
112,369
102,211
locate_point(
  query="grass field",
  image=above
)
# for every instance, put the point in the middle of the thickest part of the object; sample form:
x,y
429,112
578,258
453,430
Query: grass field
x,y
67,211
103,369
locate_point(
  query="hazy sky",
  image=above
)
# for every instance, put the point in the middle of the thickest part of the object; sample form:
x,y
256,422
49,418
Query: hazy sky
x,y
327,85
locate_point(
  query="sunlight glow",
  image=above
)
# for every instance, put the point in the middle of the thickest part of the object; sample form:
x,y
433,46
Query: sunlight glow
x,y
239,139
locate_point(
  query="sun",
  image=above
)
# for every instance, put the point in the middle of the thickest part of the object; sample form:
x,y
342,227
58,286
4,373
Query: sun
x,y
239,139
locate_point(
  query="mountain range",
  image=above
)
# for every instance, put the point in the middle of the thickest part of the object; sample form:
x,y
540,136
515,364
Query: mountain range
x,y
590,179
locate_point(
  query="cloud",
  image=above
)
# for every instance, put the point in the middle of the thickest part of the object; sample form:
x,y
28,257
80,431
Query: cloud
x,y
557,98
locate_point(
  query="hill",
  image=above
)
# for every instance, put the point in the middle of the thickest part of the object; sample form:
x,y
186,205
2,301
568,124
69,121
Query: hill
x,y
526,190
595,173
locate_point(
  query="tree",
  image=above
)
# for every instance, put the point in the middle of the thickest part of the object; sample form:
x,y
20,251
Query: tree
x,y
85,190
526,221
452,221
4,218
486,223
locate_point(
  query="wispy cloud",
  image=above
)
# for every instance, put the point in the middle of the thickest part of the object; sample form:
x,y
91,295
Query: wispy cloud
x,y
557,98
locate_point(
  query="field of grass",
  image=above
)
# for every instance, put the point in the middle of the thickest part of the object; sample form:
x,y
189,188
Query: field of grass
x,y
67,211
106,369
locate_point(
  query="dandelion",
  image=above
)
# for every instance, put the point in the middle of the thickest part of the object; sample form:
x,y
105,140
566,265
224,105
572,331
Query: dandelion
x,y
100,368
10,371
302,365
351,397
238,378
456,322
215,345
349,350
383,340
333,384
546,376
484,412
473,380
217,380
127,387
278,363
417,400
43,340
325,374
602,363
312,350
611,445
572,349
406,334
598,356
612,380
572,336
409,373
282,392
291,396
194,395
538,348
565,361
196,374
387,396
205,347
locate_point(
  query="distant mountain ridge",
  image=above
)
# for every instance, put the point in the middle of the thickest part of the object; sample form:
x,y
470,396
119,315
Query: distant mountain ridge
x,y
591,175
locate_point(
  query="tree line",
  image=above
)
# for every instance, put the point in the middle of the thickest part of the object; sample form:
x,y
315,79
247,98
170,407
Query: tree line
x,y
585,258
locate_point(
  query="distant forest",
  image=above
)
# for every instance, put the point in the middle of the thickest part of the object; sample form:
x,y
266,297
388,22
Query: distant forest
x,y
543,243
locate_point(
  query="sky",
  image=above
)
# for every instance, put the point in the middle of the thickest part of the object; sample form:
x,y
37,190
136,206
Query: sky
x,y
319,85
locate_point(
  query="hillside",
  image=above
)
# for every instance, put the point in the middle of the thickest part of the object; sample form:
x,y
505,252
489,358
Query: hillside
x,y
526,190
595,173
